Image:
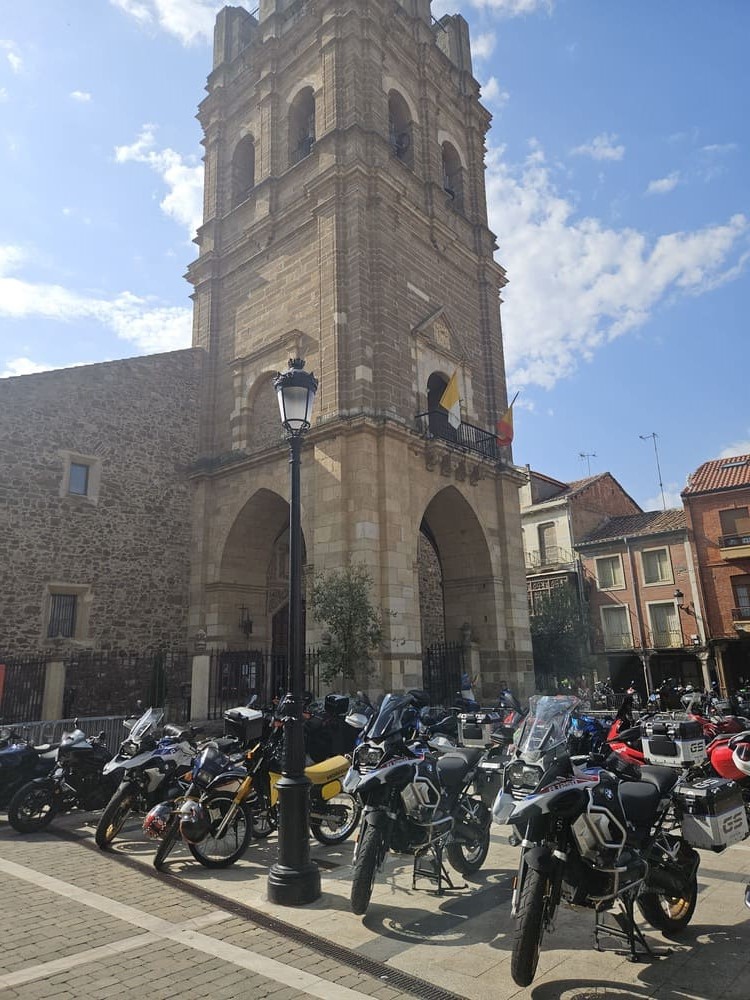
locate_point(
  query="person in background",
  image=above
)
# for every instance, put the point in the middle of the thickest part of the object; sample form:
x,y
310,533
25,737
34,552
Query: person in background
x,y
467,686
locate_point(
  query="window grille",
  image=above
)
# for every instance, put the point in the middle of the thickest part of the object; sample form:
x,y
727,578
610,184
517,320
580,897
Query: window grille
x,y
62,618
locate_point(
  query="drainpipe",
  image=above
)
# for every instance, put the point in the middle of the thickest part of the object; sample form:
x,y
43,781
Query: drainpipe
x,y
638,616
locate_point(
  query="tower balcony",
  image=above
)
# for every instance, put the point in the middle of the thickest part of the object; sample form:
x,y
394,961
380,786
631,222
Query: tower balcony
x,y
465,437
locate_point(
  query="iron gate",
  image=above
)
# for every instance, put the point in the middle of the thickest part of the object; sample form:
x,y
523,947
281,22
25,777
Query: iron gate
x,y
442,667
22,687
237,675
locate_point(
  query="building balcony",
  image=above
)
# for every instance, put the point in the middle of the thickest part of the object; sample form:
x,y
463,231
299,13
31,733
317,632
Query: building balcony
x,y
667,639
741,617
617,640
734,546
550,558
465,437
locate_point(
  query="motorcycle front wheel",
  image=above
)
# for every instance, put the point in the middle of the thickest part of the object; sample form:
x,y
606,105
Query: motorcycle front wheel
x,y
365,866
335,819
167,842
32,808
670,914
112,820
527,940
220,852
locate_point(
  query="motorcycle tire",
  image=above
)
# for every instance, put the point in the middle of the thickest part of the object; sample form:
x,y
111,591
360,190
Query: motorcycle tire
x,y
224,851
365,866
340,821
527,940
467,859
167,842
32,808
115,813
669,914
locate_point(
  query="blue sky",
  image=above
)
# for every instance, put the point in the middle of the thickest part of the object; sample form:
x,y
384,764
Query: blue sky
x,y
618,185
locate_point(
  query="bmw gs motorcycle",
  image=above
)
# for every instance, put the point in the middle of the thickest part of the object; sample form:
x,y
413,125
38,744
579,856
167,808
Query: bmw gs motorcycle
x,y
149,771
76,781
416,802
590,836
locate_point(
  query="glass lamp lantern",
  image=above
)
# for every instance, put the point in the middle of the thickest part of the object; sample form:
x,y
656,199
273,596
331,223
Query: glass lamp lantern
x,y
295,390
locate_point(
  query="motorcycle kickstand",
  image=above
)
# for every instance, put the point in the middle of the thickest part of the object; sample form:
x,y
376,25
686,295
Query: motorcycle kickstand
x,y
434,869
626,929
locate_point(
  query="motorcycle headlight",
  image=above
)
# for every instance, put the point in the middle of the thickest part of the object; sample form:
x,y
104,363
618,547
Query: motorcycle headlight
x,y
523,775
129,748
367,756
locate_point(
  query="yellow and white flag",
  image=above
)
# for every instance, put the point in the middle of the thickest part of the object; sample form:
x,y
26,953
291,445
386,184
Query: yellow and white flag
x,y
451,401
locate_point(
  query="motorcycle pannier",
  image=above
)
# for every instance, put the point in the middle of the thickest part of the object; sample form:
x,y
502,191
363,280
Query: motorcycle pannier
x,y
244,724
475,728
713,813
672,742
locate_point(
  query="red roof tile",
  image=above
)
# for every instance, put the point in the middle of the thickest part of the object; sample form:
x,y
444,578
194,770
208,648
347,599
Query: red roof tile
x,y
650,522
719,474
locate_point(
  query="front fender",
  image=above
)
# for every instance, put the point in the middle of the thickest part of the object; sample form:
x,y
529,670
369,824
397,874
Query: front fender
x,y
540,858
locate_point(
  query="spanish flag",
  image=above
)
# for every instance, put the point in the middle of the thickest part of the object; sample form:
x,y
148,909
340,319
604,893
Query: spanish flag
x,y
505,425
451,401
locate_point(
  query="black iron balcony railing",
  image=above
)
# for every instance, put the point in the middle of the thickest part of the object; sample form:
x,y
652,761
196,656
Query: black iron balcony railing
x,y
667,639
553,555
617,640
434,424
741,614
730,541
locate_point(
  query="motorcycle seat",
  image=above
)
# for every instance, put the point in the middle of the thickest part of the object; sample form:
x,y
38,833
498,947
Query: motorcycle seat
x,y
640,801
327,770
453,768
662,778
472,755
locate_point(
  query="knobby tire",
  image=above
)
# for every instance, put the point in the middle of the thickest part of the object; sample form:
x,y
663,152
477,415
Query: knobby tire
x,y
242,821
320,831
31,795
113,818
168,841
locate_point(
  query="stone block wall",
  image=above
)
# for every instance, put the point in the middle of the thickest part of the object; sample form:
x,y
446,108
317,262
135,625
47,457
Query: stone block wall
x,y
124,548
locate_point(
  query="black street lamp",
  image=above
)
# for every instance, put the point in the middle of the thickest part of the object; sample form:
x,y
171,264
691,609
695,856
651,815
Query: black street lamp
x,y
294,879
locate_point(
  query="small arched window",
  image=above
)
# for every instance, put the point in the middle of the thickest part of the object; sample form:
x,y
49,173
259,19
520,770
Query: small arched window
x,y
453,179
243,170
301,125
400,129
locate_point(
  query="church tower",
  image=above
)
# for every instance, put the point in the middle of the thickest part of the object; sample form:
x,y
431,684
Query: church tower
x,y
345,222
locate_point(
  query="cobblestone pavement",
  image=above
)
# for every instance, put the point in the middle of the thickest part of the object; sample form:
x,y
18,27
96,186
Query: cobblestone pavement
x,y
79,923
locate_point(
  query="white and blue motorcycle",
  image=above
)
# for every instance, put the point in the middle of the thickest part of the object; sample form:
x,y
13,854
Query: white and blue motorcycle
x,y
592,832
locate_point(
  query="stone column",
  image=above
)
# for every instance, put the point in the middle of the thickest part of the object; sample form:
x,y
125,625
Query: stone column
x,y
199,689
54,690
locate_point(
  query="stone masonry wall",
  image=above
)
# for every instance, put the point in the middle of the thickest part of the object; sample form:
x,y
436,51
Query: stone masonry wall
x,y
126,548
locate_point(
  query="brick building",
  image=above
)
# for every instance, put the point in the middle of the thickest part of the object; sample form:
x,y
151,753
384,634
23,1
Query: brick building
x,y
95,504
717,505
643,599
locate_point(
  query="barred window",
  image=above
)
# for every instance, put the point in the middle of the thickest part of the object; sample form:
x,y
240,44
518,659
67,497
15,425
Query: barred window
x,y
62,616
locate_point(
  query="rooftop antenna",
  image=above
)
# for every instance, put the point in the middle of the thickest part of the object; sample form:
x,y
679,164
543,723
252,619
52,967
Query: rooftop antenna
x,y
587,456
653,435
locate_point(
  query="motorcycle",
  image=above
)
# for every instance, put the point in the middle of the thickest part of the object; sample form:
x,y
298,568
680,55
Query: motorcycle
x,y
415,802
148,770
76,782
592,833
21,762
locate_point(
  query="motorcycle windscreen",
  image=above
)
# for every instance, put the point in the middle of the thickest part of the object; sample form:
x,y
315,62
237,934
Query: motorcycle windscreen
x,y
389,720
150,719
546,725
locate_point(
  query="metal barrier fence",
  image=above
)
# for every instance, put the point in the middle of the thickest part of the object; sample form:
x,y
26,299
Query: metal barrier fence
x,y
51,730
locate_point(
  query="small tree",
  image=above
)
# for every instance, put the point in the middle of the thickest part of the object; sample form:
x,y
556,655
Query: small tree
x,y
559,637
341,602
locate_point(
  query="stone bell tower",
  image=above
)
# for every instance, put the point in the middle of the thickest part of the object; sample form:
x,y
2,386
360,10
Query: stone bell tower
x,y
345,222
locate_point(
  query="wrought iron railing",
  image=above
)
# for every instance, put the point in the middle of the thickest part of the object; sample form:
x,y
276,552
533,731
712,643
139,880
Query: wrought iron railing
x,y
617,640
741,614
731,541
468,437
554,555
237,675
666,638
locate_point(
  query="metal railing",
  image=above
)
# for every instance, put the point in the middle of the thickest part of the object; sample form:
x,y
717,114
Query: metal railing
x,y
468,437
51,730
667,639
22,687
236,675
741,614
555,555
617,640
731,541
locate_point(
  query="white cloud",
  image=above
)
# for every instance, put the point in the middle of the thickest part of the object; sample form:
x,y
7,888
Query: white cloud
x,y
80,95
719,148
664,184
190,21
150,326
25,366
12,54
182,176
512,8
738,448
483,45
492,94
3,95
672,498
576,283
601,147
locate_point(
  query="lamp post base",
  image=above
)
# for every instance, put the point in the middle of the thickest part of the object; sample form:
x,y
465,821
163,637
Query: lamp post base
x,y
294,886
